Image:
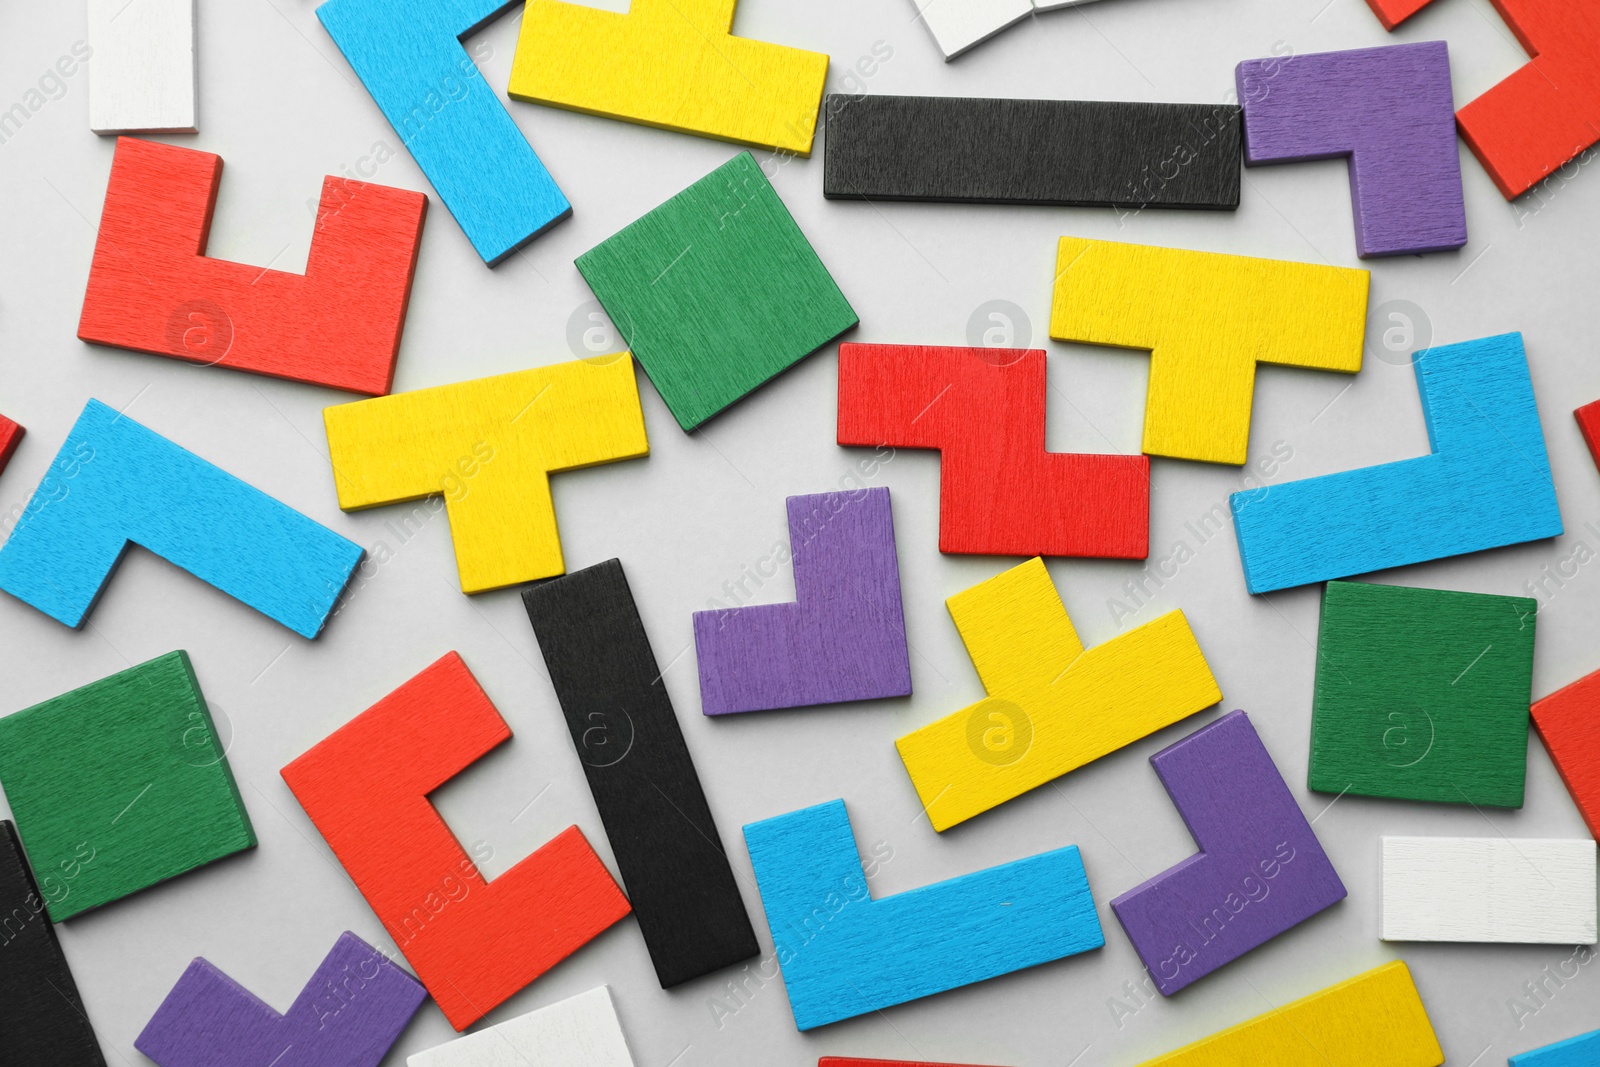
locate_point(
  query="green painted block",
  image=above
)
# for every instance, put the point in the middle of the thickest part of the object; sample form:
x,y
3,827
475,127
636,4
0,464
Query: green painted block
x,y
120,785
1422,694
716,291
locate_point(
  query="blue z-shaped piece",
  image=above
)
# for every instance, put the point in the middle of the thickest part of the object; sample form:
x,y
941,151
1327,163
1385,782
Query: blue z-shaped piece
x,y
1487,483
408,54
1580,1051
115,482
844,954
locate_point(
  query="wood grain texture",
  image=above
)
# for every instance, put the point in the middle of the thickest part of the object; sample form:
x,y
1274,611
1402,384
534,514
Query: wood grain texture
x,y
844,636
640,772
1588,418
1374,1018
473,942
958,25
1580,1051
716,291
1489,890
1422,694
1569,722
489,445
1053,705
10,437
1000,492
1082,153
116,483
1260,872
121,784
674,64
42,1019
844,954
1486,484
581,1031
142,79
408,55
1390,111
152,288
1202,361
350,1013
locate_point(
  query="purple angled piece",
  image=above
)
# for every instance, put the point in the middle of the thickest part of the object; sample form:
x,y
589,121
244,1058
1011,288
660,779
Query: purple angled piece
x,y
1260,869
844,637
1391,111
349,1015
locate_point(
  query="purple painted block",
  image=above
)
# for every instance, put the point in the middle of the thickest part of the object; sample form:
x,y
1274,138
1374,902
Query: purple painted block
x,y
1391,111
348,1015
1260,869
844,637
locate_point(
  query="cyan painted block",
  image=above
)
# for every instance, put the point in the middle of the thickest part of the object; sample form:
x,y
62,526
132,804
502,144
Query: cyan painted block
x,y
1581,1051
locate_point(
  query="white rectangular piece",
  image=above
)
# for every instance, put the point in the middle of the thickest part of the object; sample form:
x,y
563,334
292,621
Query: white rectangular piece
x,y
581,1031
1057,5
143,74
957,25
1489,889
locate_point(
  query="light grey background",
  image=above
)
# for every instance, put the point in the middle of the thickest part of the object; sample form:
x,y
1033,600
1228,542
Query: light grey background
x,y
283,109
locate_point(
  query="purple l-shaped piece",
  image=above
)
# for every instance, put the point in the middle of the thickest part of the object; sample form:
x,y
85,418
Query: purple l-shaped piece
x,y
844,637
349,1015
1260,869
1391,111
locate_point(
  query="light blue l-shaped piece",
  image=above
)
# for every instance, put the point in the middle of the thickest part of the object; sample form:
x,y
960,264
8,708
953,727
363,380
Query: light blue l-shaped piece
x,y
1581,1051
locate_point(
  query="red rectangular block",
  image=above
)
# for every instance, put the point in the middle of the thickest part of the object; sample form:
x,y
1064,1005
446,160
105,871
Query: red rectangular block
x,y
10,437
1569,722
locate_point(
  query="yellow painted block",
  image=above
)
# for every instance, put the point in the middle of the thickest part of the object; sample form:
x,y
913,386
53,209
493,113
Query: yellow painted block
x,y
673,64
489,446
1053,705
1373,1019
1207,320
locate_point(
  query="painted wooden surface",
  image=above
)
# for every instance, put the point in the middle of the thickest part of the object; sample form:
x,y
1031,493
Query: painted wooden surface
x,y
1569,722
958,25
473,942
142,79
844,636
1053,705
580,1031
1000,491
11,434
1504,890
1580,1051
1202,364
1588,418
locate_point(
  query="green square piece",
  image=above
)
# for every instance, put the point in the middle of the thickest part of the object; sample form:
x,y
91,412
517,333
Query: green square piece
x,y
716,291
1422,694
120,785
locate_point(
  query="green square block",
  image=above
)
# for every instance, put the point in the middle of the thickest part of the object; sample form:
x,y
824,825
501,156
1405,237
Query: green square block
x,y
716,291
1422,694
120,785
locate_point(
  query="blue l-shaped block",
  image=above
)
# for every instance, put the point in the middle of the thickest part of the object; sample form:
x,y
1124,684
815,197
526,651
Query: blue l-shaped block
x,y
1581,1051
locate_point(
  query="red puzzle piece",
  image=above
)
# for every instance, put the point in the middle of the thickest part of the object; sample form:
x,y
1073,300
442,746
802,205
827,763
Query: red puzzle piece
x,y
1588,418
1569,722
1548,111
153,289
1000,492
473,942
10,437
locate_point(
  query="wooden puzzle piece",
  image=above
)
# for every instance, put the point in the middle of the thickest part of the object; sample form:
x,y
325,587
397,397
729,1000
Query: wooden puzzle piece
x,y
409,56
1000,492
152,288
581,1031
1588,418
1083,153
1545,113
1052,705
115,482
1389,110
472,942
1569,722
121,784
1422,694
42,1020
10,437
844,636
674,64
1489,889
144,66
640,773
1207,320
1375,1017
1260,870
1486,484
490,445
844,954
725,251
958,25
1580,1051
349,1014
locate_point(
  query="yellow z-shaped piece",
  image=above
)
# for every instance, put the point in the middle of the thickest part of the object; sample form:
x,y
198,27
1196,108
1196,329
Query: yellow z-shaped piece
x,y
1207,320
673,64
489,446
1053,705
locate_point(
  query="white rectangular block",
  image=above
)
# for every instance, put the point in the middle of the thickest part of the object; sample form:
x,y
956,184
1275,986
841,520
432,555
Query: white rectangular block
x,y
581,1031
957,25
1489,889
142,77
1057,5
